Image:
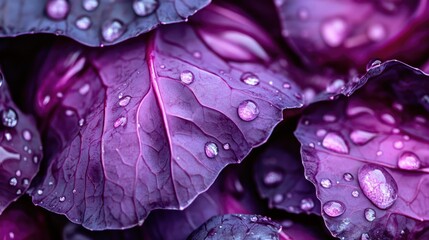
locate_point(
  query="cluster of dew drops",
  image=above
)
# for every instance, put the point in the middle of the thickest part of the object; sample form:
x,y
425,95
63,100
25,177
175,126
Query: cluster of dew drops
x,y
111,29
9,120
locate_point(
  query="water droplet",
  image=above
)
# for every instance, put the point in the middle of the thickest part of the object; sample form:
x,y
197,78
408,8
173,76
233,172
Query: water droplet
x,y
250,79
50,183
112,30
398,145
83,23
334,31
57,9
90,5
253,219
35,159
334,208
409,161
287,86
226,146
369,214
124,101
197,54
121,121
365,236
8,136
311,145
329,118
26,134
379,153
373,64
46,100
69,113
62,199
9,118
335,86
40,192
307,204
13,181
353,111
18,173
360,137
84,89
335,142
278,198
25,182
273,178
187,77
348,177
376,32
248,110
355,193
378,185
145,7
211,150
326,183
81,122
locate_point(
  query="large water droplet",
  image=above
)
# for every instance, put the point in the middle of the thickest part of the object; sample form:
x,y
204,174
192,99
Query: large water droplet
x,y
409,161
112,30
186,77
121,121
124,101
248,110
90,5
145,7
378,185
348,177
307,204
325,183
83,22
57,9
250,79
211,150
369,214
334,31
273,178
334,208
360,137
335,142
13,181
9,118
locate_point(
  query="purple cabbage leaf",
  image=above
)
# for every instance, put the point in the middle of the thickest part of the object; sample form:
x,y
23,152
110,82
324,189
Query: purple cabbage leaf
x,y
149,123
367,154
93,22
237,226
20,149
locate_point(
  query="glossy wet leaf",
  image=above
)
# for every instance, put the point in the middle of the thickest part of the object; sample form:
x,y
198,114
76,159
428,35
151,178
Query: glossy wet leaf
x,y
93,22
131,130
20,149
367,154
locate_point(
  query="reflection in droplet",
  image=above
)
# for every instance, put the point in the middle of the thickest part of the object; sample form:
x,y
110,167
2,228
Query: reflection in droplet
x,y
249,79
369,214
145,7
211,150
334,208
81,122
325,183
112,30
334,31
83,22
57,9
9,118
248,110
409,161
90,5
361,137
186,77
348,177
378,185
124,101
335,142
121,121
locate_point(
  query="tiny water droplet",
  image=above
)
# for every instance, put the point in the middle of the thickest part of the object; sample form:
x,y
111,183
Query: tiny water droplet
x,y
361,137
321,132
398,145
124,101
329,118
74,191
187,77
273,178
9,118
348,177
211,150
62,199
326,183
378,185
248,110
8,136
335,142
121,121
18,173
18,192
311,145
145,7
373,64
334,31
13,181
83,22
90,5
355,193
40,192
307,204
278,198
57,9
197,54
250,79
81,122
26,134
253,219
226,146
46,100
369,214
335,86
112,30
409,161
365,236
334,208
69,113
287,86
379,153
35,159
25,182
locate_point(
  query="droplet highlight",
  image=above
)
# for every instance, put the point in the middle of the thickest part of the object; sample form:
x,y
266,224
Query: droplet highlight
x,y
211,150
123,102
369,214
248,110
83,23
326,183
335,142
348,177
409,161
334,208
307,204
250,79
